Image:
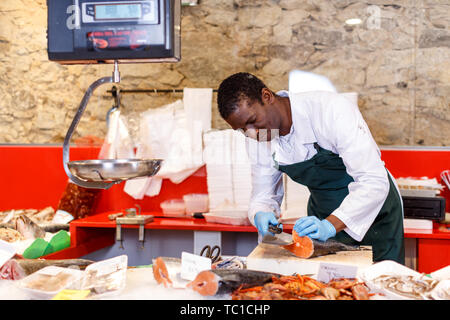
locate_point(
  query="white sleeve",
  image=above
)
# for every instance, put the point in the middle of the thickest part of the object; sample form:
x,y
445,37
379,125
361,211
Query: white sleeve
x,y
267,183
354,143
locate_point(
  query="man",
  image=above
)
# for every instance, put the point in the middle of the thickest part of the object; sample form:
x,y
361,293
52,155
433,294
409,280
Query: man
x,y
319,139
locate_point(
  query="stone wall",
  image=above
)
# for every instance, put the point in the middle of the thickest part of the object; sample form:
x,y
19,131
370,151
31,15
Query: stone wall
x,y
397,59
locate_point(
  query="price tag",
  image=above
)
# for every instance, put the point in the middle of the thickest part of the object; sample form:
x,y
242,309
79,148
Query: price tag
x,y
192,264
330,271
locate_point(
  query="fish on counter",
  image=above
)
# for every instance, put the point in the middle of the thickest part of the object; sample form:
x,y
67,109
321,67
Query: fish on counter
x,y
167,270
411,287
161,272
38,216
246,284
54,227
298,287
16,269
47,227
18,225
225,281
28,228
305,247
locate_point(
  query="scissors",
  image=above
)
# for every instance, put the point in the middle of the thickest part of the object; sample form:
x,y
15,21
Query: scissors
x,y
210,253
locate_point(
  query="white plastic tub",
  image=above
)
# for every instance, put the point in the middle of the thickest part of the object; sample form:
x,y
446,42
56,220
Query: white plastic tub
x,y
106,277
46,283
173,208
390,268
196,202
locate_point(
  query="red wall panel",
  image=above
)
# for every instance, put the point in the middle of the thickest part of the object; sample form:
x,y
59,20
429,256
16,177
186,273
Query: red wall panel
x,y
32,176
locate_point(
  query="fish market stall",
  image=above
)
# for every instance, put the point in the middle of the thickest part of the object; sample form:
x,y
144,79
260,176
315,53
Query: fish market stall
x,y
113,279
139,184
94,235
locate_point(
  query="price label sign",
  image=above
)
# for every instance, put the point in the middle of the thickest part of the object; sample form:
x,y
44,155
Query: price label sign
x,y
192,264
330,271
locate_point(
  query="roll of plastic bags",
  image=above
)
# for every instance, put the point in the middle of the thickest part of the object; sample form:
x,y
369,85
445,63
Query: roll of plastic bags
x,y
165,134
118,143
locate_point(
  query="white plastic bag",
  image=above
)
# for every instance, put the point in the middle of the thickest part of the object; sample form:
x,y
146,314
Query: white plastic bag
x,y
118,143
165,134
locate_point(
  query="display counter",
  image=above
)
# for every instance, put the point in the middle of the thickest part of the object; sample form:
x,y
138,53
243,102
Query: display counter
x,y
40,183
96,232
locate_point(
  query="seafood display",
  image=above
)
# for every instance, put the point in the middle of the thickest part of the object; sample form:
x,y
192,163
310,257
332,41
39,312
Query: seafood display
x,y
38,216
28,228
299,287
217,281
24,224
305,247
167,270
373,282
109,277
43,279
408,286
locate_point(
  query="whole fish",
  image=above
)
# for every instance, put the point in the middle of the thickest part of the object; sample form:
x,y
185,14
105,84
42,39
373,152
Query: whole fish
x,y
28,229
225,281
15,269
47,227
53,228
32,265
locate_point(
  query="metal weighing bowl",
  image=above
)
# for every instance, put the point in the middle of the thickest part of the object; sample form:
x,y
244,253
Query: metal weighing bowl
x,y
114,169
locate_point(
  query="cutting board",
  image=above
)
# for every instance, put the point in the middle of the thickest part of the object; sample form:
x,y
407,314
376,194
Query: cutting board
x,y
272,258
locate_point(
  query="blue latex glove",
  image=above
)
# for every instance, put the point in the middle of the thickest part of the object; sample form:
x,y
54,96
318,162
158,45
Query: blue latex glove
x,y
262,220
314,228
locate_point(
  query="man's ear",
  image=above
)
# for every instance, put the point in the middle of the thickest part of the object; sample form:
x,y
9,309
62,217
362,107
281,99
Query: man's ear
x,y
267,96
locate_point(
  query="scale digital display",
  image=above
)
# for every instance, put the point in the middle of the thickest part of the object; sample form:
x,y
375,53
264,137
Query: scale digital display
x,y
141,12
118,11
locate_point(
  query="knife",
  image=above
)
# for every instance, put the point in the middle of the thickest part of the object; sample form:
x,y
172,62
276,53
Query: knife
x,y
280,238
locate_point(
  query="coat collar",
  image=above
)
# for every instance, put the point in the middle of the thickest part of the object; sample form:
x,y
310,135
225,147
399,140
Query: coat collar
x,y
301,123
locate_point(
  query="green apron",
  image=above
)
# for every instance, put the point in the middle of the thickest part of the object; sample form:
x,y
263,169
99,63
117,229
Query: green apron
x,y
326,177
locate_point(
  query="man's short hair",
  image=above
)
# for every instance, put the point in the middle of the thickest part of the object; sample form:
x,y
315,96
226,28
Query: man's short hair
x,y
236,87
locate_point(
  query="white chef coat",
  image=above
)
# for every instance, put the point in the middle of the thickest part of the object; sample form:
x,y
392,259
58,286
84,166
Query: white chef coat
x,y
336,124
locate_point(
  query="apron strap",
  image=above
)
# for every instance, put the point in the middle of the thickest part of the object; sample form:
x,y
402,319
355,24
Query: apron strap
x,y
316,145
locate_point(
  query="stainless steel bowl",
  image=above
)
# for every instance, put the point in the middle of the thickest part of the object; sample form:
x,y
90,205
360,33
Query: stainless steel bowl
x,y
114,169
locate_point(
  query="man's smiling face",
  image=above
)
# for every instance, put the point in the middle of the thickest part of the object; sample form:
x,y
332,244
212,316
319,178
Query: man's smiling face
x,y
255,119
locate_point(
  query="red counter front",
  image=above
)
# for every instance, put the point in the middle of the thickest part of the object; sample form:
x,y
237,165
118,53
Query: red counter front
x,y
32,176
